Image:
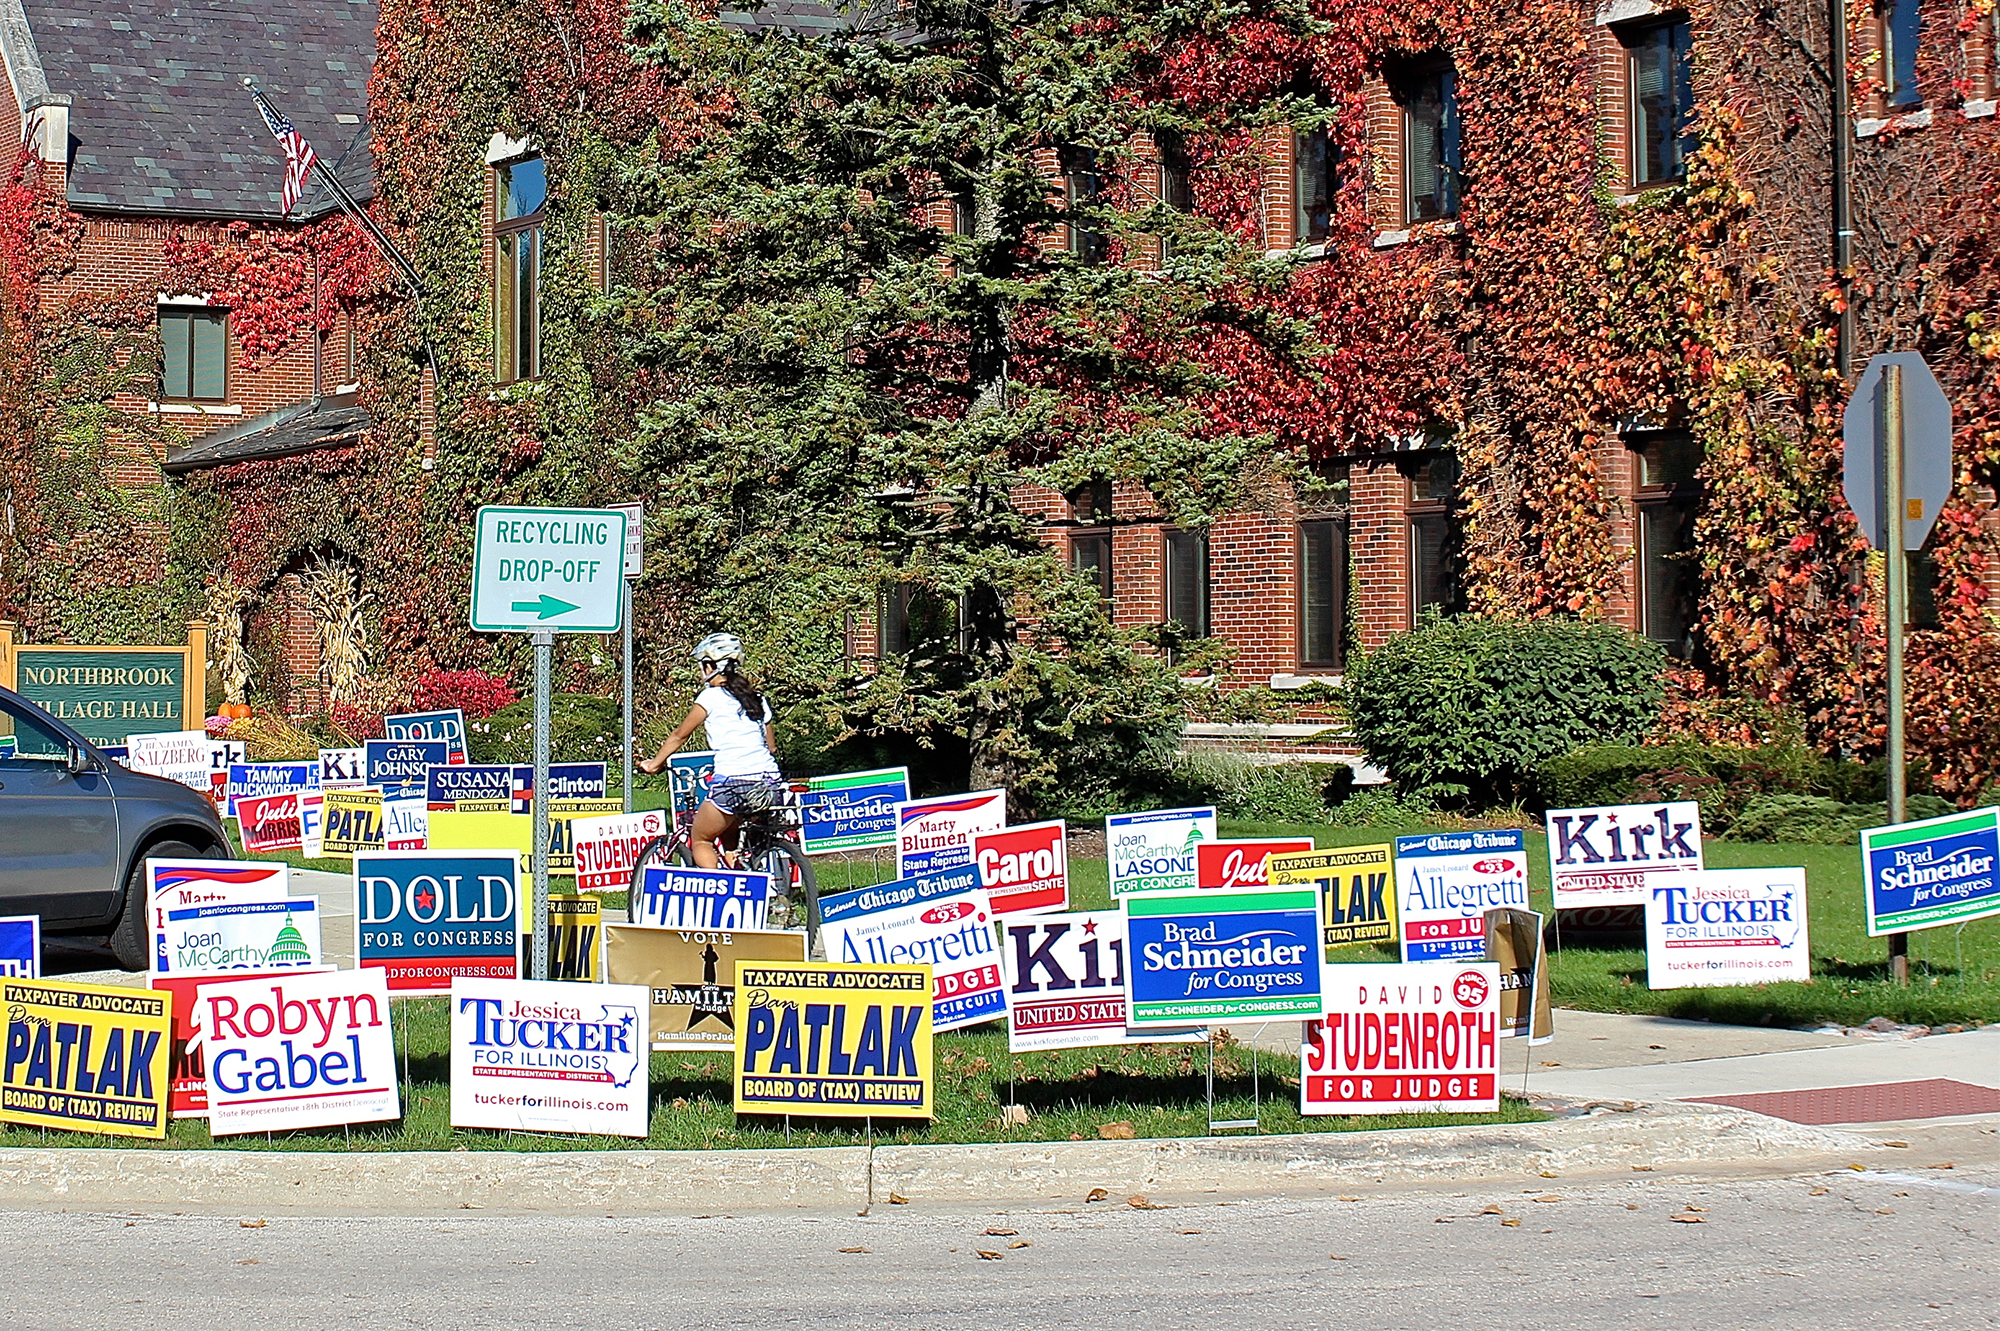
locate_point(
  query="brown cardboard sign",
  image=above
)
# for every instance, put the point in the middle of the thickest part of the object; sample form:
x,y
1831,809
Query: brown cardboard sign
x,y
692,976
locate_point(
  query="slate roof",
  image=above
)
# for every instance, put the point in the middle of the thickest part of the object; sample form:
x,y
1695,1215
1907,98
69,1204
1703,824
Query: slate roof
x,y
806,18
161,122
328,422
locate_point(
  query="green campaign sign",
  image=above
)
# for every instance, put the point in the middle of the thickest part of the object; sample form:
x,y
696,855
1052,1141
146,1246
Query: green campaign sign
x,y
560,569
106,693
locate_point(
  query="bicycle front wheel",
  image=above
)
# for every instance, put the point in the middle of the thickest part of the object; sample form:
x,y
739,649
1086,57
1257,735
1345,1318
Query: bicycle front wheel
x,y
792,876
667,848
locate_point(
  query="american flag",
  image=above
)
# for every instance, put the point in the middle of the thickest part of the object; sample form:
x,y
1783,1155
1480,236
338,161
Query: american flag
x,y
299,155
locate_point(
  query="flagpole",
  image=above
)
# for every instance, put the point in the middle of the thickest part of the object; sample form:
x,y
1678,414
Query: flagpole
x,y
381,241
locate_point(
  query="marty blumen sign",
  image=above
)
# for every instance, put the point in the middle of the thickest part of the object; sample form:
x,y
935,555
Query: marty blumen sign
x,y
85,1058
1728,927
1214,956
1419,1038
1356,904
546,1056
1066,984
298,1051
1616,854
691,974
936,834
1937,871
833,1041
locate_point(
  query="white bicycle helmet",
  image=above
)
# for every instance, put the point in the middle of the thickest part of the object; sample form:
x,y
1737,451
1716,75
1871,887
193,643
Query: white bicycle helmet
x,y
718,649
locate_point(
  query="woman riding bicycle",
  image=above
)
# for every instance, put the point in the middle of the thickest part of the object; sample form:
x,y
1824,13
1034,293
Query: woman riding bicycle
x,y
738,718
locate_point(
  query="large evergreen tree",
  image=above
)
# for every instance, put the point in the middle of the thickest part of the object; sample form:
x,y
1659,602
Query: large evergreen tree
x,y
867,309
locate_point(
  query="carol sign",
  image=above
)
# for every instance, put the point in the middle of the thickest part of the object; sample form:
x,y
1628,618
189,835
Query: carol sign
x,y
1938,871
1024,869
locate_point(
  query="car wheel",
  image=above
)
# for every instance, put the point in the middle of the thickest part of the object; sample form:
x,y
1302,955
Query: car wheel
x,y
131,940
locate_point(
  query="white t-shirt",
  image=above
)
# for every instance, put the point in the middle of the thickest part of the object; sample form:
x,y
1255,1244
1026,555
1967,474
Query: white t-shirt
x,y
738,742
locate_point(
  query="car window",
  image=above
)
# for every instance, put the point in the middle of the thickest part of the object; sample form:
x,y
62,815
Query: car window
x,y
25,734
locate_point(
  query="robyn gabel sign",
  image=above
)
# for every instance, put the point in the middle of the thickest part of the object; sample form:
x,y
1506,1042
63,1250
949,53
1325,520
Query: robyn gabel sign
x,y
298,1051
1241,863
1417,1038
1024,869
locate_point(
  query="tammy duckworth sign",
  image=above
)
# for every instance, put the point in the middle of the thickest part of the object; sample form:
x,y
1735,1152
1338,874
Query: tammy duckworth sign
x,y
108,693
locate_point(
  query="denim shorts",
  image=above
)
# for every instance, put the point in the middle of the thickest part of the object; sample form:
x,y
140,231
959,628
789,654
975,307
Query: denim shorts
x,y
740,796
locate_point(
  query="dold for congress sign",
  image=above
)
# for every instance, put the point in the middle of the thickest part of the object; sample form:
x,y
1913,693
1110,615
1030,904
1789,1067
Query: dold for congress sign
x,y
1217,956
428,916
839,1041
85,1058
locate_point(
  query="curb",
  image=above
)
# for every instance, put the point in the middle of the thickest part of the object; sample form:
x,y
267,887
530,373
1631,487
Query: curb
x,y
1600,1138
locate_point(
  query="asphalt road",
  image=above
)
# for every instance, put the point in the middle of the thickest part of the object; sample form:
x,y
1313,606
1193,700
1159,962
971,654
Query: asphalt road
x,y
1910,1249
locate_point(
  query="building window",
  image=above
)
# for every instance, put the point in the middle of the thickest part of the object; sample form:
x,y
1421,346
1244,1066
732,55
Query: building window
x,y
1901,29
1434,583
1662,101
1314,158
1323,592
1667,498
1083,182
913,617
520,190
1090,503
1176,181
964,213
1432,156
194,354
1187,582
1090,555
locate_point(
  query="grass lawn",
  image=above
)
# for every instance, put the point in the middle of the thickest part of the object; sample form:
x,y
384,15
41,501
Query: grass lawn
x,y
1160,1090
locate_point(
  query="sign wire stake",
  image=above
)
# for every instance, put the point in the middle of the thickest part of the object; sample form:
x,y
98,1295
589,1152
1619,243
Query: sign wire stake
x,y
871,1165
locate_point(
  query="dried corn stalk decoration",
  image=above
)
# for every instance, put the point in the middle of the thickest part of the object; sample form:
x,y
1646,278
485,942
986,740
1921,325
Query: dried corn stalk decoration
x,y
333,594
227,601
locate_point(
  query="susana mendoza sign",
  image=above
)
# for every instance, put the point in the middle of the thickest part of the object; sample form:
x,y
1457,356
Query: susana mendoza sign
x,y
833,1041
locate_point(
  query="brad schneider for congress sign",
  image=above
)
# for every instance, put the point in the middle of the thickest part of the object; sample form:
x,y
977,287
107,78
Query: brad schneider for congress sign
x,y
1938,871
1217,955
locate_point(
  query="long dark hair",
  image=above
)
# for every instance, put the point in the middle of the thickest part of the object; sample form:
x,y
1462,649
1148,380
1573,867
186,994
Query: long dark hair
x,y
738,686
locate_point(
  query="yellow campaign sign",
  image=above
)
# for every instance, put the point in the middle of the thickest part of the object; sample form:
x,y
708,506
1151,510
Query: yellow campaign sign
x,y
353,821
85,1057
485,829
574,929
833,1041
1357,903
562,842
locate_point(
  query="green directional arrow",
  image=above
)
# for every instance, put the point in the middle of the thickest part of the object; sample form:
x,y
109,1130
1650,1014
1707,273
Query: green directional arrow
x,y
548,607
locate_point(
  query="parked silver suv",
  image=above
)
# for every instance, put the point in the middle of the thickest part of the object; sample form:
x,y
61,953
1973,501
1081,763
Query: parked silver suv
x,y
76,828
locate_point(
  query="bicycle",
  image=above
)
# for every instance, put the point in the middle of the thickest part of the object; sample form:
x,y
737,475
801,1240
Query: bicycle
x,y
767,842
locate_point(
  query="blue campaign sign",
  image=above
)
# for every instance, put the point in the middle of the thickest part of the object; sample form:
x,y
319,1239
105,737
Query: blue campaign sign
x,y
575,781
447,787
424,916
21,947
402,765
253,780
852,810
448,726
689,776
1938,871
943,920
1222,956
680,898
1445,884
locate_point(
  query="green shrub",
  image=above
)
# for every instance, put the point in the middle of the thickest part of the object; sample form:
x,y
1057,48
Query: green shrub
x,y
1382,806
1282,792
1724,779
1466,709
1818,820
583,728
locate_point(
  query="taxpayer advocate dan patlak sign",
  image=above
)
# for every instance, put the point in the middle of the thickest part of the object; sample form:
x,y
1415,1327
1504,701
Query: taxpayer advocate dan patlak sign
x,y
560,569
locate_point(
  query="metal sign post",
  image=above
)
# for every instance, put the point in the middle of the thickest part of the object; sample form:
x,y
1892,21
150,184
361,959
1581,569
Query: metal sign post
x,y
635,564
545,571
545,641
1898,431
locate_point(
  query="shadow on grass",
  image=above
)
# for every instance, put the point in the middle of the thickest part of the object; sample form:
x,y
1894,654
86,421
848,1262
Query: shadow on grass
x,y
1111,1087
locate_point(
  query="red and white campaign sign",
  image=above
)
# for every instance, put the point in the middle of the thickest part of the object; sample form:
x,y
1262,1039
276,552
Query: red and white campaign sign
x,y
1420,1038
607,847
1241,863
270,823
1066,984
1025,870
298,1051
